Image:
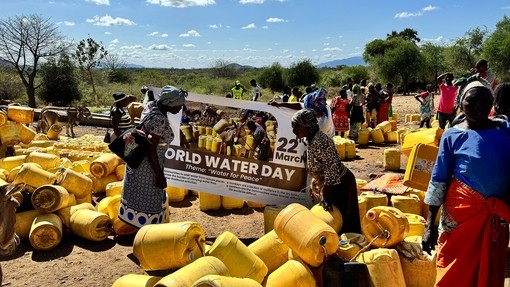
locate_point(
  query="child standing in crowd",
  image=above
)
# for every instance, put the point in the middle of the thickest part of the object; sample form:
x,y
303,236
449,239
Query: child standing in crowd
x,y
426,100
356,118
340,107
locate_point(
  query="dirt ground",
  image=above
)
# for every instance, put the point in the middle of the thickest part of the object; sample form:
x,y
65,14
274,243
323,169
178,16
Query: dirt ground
x,y
78,262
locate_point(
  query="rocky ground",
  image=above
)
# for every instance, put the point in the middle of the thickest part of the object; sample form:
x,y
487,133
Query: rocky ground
x,y
78,262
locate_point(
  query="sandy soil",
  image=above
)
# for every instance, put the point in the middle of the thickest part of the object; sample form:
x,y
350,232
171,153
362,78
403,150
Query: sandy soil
x,y
78,262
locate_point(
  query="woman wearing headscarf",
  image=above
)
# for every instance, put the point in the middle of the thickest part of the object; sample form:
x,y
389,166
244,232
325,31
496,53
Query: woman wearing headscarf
x,y
316,101
336,183
143,195
356,118
470,181
119,116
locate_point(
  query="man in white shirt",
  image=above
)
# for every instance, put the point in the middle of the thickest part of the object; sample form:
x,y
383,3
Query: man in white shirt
x,y
257,94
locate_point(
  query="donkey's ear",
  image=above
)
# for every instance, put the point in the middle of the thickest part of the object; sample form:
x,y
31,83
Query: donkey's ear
x,y
13,188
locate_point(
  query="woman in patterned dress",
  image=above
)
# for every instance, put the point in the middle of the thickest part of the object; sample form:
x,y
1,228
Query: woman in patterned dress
x,y
337,184
340,110
143,195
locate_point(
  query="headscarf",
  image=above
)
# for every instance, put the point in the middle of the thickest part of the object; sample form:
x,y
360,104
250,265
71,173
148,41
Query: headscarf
x,y
306,119
478,83
172,96
316,101
118,96
469,83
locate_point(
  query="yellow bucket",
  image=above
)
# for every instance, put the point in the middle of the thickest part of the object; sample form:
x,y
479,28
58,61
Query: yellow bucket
x,y
270,213
54,132
306,234
91,225
24,221
168,245
136,280
9,135
375,199
66,213
377,136
271,250
19,114
33,176
384,267
209,201
45,160
8,163
104,165
391,160
239,259
225,281
45,232
114,188
363,137
76,183
26,134
332,218
291,273
189,274
389,223
231,202
407,203
49,198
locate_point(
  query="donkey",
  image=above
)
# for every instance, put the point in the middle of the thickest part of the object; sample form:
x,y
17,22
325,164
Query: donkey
x,y
8,205
67,117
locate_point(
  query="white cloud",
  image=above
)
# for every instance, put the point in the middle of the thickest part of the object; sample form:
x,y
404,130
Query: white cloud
x,y
159,47
164,35
114,41
429,8
325,44
329,49
66,23
251,1
249,26
437,39
190,33
135,47
107,20
153,33
275,20
407,14
215,26
99,2
107,33
265,27
285,51
506,7
181,3
188,46
249,50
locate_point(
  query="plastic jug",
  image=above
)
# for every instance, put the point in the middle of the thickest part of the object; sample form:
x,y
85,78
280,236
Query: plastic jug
x,y
385,226
271,250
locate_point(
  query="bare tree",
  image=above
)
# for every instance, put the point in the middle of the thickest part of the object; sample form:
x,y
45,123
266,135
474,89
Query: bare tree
x,y
89,54
24,41
114,62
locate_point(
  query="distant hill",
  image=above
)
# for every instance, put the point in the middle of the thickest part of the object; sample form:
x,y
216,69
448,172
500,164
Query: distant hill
x,y
352,61
134,66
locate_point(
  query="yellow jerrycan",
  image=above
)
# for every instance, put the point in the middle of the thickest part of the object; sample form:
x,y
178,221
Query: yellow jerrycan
x,y
384,226
384,267
271,250
45,232
209,201
292,273
190,273
375,199
91,225
416,224
332,218
410,203
168,245
270,213
49,198
225,281
136,280
306,234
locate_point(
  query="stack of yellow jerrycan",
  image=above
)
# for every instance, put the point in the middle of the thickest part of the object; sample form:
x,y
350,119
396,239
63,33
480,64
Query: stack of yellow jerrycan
x,y
419,166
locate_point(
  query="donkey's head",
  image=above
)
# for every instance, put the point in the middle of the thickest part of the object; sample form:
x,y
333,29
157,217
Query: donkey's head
x,y
8,205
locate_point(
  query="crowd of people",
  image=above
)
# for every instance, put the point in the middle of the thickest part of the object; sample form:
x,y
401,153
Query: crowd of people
x,y
469,178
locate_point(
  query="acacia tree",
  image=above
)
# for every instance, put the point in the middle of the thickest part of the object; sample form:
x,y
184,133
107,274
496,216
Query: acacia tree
x,y
496,47
272,77
24,41
466,51
302,73
433,62
89,55
60,85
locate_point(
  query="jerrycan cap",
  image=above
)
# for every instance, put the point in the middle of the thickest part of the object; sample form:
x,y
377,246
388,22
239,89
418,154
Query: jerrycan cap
x,y
343,242
322,240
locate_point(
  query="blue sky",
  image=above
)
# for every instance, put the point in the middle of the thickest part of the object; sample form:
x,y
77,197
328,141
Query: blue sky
x,y
198,33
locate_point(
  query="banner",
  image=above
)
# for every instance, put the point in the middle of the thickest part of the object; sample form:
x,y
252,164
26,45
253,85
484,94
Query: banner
x,y
223,162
